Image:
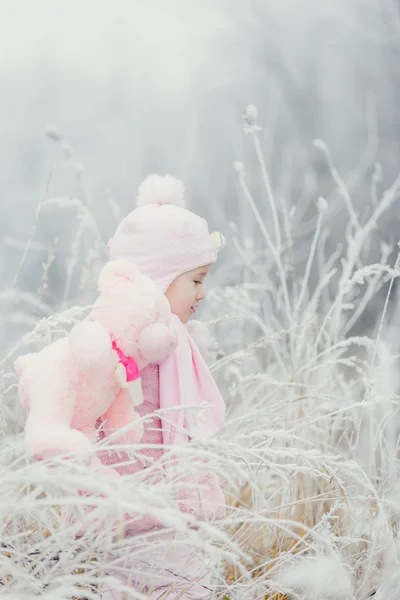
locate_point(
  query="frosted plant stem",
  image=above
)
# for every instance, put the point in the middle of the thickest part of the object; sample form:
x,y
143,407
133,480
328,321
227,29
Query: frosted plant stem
x,y
308,265
273,250
33,230
2,413
268,189
31,236
389,292
339,182
371,290
355,247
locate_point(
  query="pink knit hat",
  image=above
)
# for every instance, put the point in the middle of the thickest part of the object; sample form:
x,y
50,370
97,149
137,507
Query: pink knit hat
x,y
161,236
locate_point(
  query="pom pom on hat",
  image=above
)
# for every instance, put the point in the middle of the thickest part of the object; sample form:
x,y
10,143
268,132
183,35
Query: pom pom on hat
x,y
161,236
158,189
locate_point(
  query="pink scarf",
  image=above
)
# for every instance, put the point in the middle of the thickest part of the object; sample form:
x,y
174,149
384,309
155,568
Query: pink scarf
x,y
185,380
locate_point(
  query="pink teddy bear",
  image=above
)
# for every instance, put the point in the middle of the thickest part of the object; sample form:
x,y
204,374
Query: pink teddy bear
x,y
95,371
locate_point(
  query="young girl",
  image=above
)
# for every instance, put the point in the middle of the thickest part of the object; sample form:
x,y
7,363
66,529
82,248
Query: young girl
x,y
174,248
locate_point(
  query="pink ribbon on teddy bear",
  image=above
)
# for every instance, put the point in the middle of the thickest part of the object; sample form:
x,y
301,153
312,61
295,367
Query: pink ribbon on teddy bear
x,y
130,364
128,376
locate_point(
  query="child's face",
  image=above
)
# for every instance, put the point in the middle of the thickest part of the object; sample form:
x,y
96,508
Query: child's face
x,y
186,291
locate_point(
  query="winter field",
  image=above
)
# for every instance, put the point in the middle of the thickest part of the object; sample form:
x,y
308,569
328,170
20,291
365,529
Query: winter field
x,y
305,349
309,452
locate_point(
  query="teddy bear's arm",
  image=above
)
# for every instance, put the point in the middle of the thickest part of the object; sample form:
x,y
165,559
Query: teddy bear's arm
x,y
121,414
90,346
48,429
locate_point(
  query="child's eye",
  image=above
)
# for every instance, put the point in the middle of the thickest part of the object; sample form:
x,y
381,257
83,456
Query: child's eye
x,y
198,282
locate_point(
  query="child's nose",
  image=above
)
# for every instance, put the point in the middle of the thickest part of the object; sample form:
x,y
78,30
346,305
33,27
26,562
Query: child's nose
x,y
200,293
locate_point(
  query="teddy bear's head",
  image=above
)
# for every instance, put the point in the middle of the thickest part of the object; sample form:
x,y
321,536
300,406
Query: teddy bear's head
x,y
135,312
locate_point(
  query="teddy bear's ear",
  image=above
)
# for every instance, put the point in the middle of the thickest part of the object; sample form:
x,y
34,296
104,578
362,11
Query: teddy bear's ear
x,y
116,271
22,362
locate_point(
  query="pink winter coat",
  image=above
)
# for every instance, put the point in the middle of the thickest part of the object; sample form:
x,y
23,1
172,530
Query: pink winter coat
x,y
213,502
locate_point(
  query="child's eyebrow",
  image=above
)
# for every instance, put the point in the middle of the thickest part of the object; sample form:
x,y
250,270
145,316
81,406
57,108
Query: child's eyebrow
x,y
201,273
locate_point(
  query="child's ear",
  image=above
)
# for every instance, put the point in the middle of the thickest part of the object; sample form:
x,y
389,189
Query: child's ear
x,y
116,271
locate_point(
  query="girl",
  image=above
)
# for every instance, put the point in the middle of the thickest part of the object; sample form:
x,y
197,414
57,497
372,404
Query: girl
x,y
174,248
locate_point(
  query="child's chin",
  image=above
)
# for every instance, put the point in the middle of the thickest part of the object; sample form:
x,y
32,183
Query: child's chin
x,y
184,318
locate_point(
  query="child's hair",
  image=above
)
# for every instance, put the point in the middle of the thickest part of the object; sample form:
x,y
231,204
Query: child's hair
x,y
161,236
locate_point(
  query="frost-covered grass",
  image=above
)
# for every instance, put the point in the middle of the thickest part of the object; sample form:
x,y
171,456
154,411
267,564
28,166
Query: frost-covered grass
x,y
308,456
